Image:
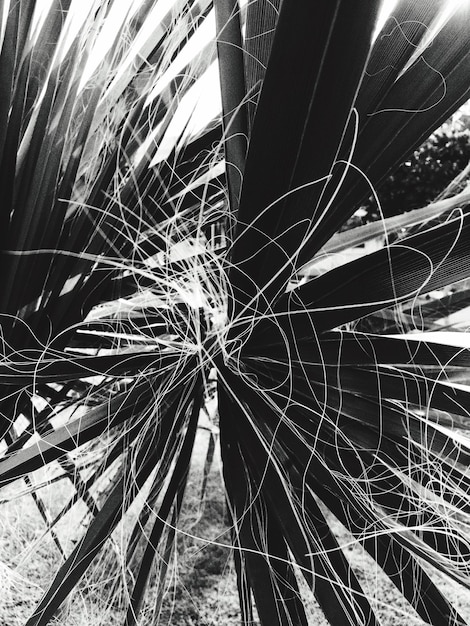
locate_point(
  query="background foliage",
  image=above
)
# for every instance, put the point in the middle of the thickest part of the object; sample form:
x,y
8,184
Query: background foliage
x,y
421,178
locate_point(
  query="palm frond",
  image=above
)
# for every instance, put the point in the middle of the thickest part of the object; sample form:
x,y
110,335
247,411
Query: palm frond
x,y
170,172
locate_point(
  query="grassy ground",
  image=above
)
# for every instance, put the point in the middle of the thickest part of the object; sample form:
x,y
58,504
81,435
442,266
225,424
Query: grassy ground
x,y
201,588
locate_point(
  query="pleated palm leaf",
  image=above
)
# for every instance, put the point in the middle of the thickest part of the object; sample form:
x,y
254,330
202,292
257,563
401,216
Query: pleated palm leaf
x,y
129,132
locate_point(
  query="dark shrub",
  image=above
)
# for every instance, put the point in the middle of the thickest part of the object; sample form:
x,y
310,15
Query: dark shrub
x,y
423,176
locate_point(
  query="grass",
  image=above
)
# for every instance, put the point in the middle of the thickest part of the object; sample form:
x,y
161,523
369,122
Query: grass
x,y
201,587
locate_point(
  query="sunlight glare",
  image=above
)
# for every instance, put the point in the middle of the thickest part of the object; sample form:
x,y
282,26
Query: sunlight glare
x,y
384,13
4,17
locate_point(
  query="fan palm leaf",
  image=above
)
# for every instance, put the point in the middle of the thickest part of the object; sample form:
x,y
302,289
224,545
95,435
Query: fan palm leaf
x,y
122,155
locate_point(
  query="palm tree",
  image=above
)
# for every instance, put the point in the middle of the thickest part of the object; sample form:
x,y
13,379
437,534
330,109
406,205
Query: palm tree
x,y
118,312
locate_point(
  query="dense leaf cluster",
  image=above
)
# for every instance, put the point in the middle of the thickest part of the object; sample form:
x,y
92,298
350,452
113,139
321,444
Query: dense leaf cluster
x,y
422,177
